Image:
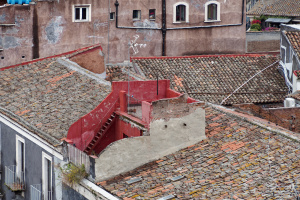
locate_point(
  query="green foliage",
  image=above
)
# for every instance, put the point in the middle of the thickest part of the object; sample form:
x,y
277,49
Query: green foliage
x,y
255,27
73,174
263,17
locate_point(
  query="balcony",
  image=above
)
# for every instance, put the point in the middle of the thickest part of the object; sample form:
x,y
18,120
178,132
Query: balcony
x,y
15,181
36,193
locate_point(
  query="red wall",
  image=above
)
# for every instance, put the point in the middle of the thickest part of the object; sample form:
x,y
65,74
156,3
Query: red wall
x,y
143,90
83,131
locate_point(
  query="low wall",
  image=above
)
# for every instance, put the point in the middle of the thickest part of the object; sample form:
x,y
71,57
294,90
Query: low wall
x,y
166,137
259,41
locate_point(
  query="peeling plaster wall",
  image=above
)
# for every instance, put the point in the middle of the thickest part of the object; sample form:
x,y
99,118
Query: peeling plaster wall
x,y
165,138
16,34
46,29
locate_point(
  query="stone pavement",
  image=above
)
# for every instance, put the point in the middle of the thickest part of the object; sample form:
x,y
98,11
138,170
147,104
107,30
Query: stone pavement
x,y
238,160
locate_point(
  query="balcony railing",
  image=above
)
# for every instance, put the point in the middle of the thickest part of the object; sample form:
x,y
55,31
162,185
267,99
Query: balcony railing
x,y
78,157
35,192
15,181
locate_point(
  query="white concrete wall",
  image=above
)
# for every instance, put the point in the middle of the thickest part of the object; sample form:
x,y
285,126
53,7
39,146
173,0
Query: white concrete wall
x,y
296,83
127,154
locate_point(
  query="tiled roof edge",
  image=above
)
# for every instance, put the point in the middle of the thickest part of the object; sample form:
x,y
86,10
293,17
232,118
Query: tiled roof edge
x,y
74,66
200,56
28,126
54,56
232,113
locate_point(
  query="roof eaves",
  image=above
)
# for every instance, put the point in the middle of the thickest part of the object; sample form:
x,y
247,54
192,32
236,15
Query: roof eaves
x,y
75,52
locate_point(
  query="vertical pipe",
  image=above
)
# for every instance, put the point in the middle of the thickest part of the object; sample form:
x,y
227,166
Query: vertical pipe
x,y
164,29
117,6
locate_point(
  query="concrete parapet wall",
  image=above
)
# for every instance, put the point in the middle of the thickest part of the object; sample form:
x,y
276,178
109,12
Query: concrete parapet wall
x,y
166,137
258,41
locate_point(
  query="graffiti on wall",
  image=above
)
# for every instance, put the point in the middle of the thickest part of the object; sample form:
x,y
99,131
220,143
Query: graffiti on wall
x,y
136,46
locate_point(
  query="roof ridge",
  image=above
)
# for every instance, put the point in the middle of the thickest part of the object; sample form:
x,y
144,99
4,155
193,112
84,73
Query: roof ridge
x,y
75,52
202,56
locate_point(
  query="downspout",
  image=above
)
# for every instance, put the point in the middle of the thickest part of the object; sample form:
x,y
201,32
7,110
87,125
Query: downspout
x,y
164,29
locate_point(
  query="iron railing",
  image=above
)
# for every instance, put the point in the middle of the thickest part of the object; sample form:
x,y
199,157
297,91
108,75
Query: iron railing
x,y
78,157
13,179
35,192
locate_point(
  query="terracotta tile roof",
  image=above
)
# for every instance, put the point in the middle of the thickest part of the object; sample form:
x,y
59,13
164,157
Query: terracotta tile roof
x,y
297,73
239,160
47,97
294,39
289,8
295,95
122,73
213,78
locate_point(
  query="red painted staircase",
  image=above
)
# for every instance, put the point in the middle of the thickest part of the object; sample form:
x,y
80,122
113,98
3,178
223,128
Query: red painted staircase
x,y
95,141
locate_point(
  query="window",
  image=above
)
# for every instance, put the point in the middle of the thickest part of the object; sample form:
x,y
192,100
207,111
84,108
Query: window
x,y
47,176
180,12
112,16
152,14
136,15
212,11
81,13
20,157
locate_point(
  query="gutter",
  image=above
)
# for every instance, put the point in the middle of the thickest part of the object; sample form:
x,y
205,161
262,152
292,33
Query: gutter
x,y
164,29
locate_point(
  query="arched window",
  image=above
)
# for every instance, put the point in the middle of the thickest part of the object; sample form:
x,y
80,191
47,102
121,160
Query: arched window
x,y
180,12
212,11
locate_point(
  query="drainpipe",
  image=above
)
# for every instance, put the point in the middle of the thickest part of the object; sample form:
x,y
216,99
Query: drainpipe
x,y
163,29
117,7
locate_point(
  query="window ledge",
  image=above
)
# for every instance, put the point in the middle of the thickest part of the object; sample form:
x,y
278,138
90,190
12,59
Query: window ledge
x,y
81,21
210,21
136,19
180,22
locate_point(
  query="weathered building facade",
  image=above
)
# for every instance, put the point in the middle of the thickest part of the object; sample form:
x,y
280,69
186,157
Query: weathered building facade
x,y
124,28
